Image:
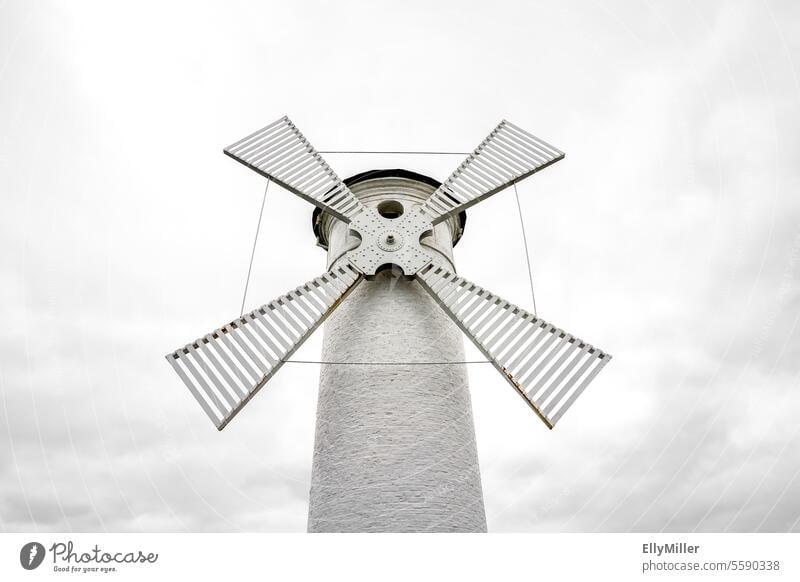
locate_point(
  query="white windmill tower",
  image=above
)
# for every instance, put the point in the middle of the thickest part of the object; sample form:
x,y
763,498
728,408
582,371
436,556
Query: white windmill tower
x,y
395,443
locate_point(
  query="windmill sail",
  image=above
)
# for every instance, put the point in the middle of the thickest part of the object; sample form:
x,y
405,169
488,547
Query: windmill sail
x,y
281,153
549,367
507,155
225,368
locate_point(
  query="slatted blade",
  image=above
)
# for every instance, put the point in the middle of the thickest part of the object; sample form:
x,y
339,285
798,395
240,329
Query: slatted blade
x,y
224,369
282,154
509,154
549,367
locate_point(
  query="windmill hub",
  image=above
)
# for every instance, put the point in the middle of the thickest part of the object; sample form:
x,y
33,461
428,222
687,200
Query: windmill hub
x,y
389,240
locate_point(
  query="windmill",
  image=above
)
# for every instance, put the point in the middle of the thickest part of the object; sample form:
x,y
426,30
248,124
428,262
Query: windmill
x,y
391,224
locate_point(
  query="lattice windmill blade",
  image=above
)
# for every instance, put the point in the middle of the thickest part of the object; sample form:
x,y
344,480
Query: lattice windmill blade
x,y
281,153
549,367
225,368
507,155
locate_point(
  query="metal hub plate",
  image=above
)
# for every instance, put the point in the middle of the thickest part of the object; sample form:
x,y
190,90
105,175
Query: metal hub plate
x,y
389,241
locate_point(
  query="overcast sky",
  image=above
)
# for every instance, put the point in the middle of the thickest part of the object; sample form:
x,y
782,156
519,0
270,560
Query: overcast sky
x,y
669,236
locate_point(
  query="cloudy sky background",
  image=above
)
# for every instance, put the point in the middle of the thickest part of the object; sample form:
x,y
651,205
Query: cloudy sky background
x,y
670,236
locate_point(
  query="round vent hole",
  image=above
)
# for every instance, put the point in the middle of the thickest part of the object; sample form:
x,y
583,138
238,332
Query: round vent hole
x,y
390,209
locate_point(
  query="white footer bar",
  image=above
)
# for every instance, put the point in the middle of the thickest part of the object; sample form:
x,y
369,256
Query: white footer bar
x,y
330,557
